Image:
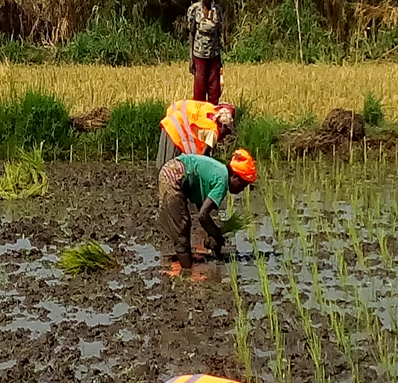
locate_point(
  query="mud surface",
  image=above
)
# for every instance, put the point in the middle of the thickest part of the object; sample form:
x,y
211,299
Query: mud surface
x,y
136,323
132,323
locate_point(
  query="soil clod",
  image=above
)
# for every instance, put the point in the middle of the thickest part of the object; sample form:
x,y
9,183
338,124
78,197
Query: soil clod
x,y
96,119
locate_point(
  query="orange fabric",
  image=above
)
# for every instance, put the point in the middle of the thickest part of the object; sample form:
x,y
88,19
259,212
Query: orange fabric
x,y
243,165
200,379
183,121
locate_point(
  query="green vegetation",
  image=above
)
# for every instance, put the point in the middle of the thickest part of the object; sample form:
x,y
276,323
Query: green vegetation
x,y
24,177
134,130
372,111
235,223
148,32
89,257
347,231
242,325
116,40
34,119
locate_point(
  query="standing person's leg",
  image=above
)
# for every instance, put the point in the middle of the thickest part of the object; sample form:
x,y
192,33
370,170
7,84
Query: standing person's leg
x,y
201,79
214,80
174,216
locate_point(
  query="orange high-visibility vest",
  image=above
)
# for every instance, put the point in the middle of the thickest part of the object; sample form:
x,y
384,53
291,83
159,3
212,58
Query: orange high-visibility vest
x,y
184,119
199,379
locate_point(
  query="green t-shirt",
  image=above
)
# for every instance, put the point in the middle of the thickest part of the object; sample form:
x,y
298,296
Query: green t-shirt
x,y
204,178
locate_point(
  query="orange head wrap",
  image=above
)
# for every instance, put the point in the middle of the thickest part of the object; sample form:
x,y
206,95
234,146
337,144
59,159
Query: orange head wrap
x,y
243,165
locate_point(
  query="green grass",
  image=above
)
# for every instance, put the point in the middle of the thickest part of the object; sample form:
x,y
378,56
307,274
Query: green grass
x,y
258,134
115,40
134,128
34,119
88,258
24,177
372,111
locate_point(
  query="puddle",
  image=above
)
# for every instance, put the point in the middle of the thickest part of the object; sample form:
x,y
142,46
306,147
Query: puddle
x,y
90,349
22,244
7,365
157,328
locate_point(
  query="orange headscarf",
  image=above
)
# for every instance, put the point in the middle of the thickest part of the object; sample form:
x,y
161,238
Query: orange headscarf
x,y
243,165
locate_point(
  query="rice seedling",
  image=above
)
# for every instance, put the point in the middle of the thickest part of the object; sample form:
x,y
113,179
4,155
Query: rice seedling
x,y
268,197
89,257
382,239
25,177
317,288
236,222
312,339
280,367
355,242
242,325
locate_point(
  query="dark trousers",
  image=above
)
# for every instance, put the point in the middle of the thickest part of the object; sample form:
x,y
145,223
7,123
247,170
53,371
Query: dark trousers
x,y
207,80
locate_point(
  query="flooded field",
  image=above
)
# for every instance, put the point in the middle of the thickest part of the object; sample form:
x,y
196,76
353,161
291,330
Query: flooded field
x,y
309,294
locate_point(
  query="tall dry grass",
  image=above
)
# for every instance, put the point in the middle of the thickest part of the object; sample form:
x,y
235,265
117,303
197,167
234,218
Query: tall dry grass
x,y
278,89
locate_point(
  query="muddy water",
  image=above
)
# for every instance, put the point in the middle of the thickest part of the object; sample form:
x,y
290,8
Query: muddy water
x,y
136,323
132,323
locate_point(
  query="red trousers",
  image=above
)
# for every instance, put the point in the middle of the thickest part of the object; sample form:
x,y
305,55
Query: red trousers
x,y
207,80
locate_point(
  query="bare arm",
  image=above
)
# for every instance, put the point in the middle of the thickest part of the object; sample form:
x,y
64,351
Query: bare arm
x,y
206,221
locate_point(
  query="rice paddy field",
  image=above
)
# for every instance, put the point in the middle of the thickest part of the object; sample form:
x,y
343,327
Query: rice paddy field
x,y
307,292
276,89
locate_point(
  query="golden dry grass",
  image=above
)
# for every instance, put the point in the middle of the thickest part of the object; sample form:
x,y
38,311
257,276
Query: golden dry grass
x,y
280,89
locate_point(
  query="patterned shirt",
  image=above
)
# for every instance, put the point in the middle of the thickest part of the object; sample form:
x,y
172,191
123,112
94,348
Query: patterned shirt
x,y
207,42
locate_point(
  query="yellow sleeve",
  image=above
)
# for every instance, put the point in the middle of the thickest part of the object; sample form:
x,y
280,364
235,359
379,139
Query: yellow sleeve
x,y
209,137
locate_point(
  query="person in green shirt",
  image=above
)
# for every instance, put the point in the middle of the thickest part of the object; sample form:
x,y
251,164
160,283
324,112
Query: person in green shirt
x,y
205,182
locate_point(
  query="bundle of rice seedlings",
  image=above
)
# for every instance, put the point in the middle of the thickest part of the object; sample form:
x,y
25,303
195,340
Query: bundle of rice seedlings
x,y
25,177
89,257
235,223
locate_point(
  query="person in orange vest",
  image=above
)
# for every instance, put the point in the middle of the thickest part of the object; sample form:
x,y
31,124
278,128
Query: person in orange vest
x,y
204,182
200,378
193,127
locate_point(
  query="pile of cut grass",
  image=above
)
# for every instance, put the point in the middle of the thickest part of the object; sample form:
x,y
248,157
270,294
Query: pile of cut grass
x,y
25,177
88,258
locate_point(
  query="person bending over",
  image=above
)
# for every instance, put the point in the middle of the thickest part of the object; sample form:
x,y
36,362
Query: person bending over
x,y
205,182
193,127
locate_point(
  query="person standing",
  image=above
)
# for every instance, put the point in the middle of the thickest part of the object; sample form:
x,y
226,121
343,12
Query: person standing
x,y
205,21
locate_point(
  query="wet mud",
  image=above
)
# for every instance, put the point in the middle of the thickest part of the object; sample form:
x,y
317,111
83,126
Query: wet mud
x,y
137,323
130,323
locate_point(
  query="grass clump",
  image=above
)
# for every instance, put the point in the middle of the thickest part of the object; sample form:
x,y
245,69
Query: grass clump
x,y
235,223
258,135
116,40
372,111
89,257
134,130
25,177
34,119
